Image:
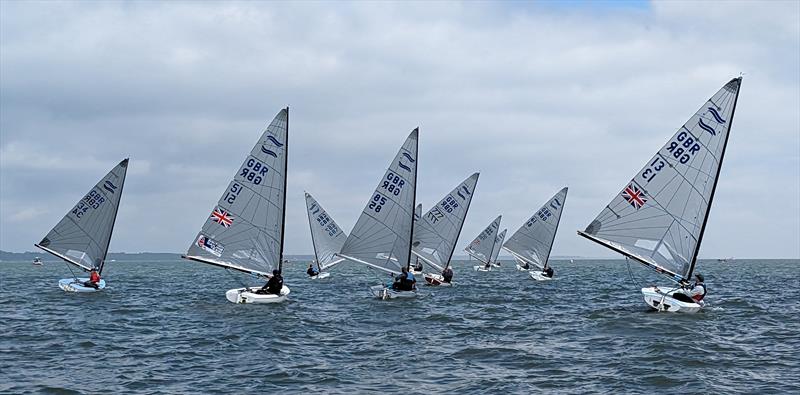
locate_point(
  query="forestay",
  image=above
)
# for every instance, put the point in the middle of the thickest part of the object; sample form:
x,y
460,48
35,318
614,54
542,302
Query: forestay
x,y
659,216
83,235
482,248
436,233
533,241
244,231
381,237
327,237
498,242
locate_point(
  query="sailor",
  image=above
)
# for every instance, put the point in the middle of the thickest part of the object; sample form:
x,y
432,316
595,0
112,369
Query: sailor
x,y
548,271
525,265
418,266
274,285
410,283
94,279
487,266
405,281
447,274
698,290
311,271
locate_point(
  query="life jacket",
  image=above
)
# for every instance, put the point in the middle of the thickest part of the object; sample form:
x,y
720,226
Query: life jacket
x,y
700,297
94,277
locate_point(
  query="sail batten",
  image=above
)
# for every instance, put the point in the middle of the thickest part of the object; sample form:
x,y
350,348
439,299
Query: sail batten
x,y
83,235
662,212
382,234
244,230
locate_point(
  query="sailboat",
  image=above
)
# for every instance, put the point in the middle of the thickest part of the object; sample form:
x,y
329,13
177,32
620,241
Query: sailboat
x,y
326,236
532,242
659,217
244,231
482,248
436,233
81,238
381,238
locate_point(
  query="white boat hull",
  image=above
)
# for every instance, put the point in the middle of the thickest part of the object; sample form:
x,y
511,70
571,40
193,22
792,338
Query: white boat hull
x,y
381,292
434,279
658,300
539,276
482,268
76,285
248,295
321,276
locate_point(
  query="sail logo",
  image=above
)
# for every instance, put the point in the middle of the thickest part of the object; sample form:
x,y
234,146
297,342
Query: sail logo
x,y
635,196
268,151
222,217
109,186
708,128
410,159
314,210
210,245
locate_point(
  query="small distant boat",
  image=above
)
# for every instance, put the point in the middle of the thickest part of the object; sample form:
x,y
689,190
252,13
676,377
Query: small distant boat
x,y
81,238
436,233
532,243
381,238
483,247
725,260
659,217
326,236
37,261
245,230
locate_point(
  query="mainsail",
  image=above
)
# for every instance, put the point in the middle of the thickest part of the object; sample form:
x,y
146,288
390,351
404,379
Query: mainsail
x,y
533,241
482,248
498,242
436,233
381,237
82,236
659,217
327,237
244,231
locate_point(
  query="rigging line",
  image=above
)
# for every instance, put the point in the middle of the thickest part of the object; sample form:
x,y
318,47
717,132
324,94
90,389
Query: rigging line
x,y
70,270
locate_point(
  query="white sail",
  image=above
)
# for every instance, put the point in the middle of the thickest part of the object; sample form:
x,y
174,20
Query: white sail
x,y
82,236
533,241
436,233
659,216
244,231
327,237
482,247
381,237
498,242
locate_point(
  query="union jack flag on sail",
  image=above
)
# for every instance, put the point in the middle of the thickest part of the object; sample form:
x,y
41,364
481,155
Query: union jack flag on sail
x,y
222,217
634,196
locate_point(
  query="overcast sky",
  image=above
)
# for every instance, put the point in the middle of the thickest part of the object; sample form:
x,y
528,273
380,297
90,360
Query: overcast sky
x,y
533,96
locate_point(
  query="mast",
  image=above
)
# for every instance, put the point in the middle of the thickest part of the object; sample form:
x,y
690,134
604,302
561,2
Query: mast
x,y
414,202
716,180
466,211
285,177
116,210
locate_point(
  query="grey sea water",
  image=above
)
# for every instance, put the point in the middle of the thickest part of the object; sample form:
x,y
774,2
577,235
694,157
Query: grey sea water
x,y
166,327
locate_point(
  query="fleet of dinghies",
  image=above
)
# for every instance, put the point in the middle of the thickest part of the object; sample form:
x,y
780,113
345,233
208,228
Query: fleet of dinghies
x,y
657,220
